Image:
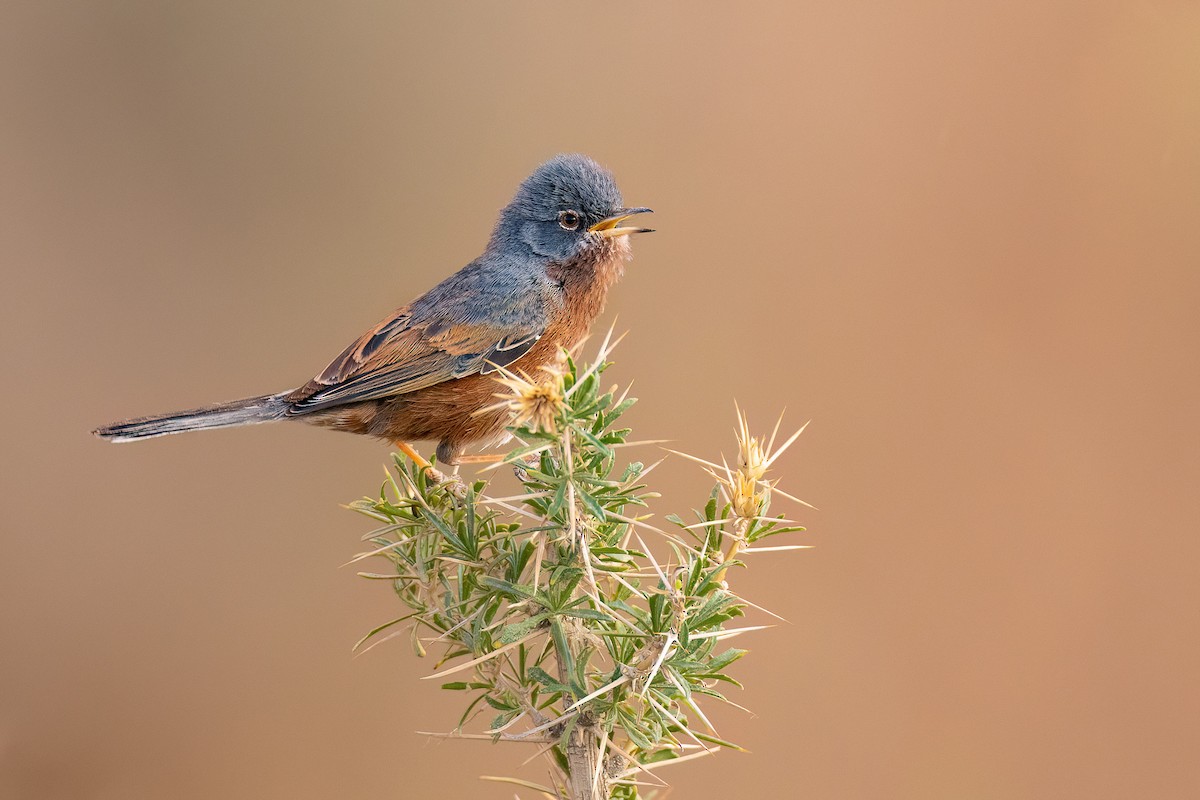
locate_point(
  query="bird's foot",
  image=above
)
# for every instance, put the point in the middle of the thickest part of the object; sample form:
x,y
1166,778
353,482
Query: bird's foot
x,y
452,483
528,462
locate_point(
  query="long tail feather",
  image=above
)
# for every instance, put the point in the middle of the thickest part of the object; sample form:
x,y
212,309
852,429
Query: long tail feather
x,y
250,411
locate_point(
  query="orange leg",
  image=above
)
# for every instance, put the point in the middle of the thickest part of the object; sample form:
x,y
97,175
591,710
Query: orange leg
x,y
456,484
410,451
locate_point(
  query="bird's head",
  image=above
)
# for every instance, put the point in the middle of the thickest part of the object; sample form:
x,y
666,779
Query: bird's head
x,y
568,207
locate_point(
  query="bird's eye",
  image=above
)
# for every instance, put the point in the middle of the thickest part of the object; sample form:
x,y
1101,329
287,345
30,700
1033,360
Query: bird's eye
x,y
569,220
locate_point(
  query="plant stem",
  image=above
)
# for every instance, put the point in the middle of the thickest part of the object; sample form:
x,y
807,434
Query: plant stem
x,y
583,755
583,748
737,541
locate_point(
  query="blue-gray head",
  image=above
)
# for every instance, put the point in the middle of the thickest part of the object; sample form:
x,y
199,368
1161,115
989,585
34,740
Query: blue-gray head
x,y
569,206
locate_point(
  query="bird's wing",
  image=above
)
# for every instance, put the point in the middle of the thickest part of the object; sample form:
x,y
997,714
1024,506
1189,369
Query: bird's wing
x,y
403,354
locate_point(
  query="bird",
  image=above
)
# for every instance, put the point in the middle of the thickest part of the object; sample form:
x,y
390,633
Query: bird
x,y
427,371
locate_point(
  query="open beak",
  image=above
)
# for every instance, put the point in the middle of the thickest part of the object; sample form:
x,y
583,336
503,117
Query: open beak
x,y
611,226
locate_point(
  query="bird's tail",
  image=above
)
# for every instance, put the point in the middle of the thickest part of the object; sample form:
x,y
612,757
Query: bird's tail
x,y
249,411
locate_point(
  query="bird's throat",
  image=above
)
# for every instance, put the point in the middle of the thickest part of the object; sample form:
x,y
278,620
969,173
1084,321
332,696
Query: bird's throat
x,y
585,284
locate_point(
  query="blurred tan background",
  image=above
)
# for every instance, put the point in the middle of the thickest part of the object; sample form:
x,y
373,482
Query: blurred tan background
x,y
962,238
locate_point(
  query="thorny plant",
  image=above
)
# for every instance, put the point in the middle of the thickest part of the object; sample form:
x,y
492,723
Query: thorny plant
x,y
552,611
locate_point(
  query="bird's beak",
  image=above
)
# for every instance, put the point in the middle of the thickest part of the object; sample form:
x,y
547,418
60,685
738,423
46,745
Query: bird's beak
x,y
611,226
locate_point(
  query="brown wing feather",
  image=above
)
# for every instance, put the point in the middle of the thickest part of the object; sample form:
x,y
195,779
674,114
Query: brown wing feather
x,y
399,355
353,357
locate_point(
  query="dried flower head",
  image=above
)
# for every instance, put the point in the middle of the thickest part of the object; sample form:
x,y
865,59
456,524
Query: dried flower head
x,y
746,493
745,496
536,405
750,455
745,484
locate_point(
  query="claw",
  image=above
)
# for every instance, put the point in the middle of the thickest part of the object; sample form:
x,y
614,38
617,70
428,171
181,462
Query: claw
x,y
455,486
531,461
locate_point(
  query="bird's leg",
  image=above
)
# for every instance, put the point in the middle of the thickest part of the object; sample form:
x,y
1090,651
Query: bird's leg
x,y
434,475
411,452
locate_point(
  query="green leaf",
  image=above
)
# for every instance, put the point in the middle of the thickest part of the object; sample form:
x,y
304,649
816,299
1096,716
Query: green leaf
x,y
715,676
382,627
592,504
498,704
515,631
704,737
550,683
503,719
725,659
587,613
710,510
633,728
470,709
591,439
509,590
558,501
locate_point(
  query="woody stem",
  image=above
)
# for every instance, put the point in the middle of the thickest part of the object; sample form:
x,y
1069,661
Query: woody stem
x,y
583,748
